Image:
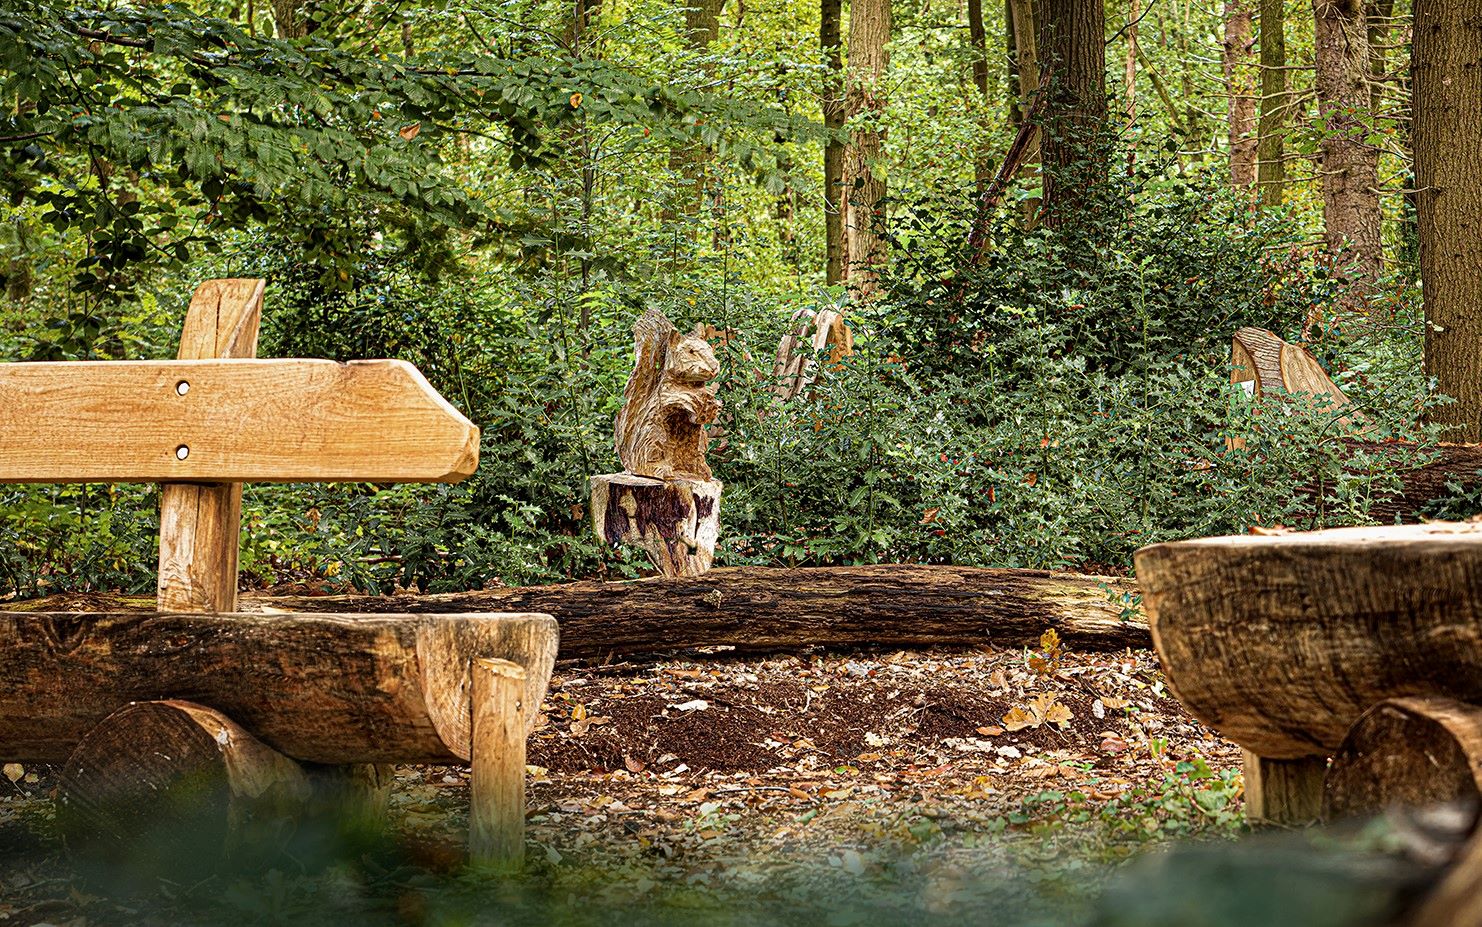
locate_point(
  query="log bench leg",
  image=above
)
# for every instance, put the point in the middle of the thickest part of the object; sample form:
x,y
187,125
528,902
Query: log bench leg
x,y
1285,793
496,815
169,770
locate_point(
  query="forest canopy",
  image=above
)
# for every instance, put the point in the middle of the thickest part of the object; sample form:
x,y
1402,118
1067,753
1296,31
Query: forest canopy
x,y
1043,222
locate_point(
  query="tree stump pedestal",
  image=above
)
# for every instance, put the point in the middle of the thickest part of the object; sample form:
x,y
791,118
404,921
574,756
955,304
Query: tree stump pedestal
x,y
676,521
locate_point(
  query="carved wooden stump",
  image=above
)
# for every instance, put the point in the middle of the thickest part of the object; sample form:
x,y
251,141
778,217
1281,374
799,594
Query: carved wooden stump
x,y
676,521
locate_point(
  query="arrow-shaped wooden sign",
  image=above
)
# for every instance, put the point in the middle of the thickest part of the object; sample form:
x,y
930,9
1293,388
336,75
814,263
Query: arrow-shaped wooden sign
x,y
229,421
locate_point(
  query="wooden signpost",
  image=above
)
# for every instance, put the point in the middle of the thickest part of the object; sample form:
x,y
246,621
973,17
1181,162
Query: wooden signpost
x,y
242,698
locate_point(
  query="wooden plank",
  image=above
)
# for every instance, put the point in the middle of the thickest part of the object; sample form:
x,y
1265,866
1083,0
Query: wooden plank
x,y
200,523
229,421
319,688
496,813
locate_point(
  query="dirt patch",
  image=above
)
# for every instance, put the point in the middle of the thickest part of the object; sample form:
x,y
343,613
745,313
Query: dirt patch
x,y
781,715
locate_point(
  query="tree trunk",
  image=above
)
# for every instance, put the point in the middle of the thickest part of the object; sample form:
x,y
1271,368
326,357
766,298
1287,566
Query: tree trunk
x,y
290,20
1447,75
864,106
1027,72
1239,48
834,195
1271,148
689,163
1281,642
978,40
1129,68
770,610
1073,43
326,689
1350,165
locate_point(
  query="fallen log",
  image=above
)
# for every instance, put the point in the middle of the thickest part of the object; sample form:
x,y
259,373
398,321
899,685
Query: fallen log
x,y
764,609
1409,752
1280,642
1422,485
322,688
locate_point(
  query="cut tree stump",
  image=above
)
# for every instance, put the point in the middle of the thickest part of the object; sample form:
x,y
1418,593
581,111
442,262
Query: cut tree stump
x,y
177,770
675,521
1280,642
1410,752
318,688
772,610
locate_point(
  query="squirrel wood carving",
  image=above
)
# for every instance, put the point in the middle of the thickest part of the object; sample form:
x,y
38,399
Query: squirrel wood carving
x,y
668,402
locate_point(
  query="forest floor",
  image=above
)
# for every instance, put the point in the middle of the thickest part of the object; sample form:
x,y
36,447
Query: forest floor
x,y
905,787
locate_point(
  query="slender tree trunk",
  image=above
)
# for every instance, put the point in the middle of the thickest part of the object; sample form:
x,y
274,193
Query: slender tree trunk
x,y
1010,44
1072,39
1129,68
978,38
1378,14
1240,88
1271,149
1027,74
835,202
1350,166
1447,76
701,28
864,104
584,13
289,20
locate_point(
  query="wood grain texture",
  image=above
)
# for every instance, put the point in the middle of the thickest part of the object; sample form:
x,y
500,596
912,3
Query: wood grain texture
x,y
1408,752
675,521
765,610
322,688
496,812
153,766
241,421
200,523
1281,642
1285,793
667,402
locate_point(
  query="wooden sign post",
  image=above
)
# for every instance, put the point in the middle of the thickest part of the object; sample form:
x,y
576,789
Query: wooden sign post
x,y
201,426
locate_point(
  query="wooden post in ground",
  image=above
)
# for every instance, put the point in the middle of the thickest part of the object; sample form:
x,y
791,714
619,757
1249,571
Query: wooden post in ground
x,y
496,815
200,523
1286,793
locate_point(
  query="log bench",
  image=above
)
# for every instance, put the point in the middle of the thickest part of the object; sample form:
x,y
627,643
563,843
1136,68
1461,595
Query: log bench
x,y
1301,646
248,716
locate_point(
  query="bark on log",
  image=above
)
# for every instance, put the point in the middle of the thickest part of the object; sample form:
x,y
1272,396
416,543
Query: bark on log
x,y
763,609
676,521
322,688
1454,463
170,768
1411,752
1281,642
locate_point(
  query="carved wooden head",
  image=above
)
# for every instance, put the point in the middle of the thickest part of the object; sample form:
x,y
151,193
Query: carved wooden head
x,y
691,359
